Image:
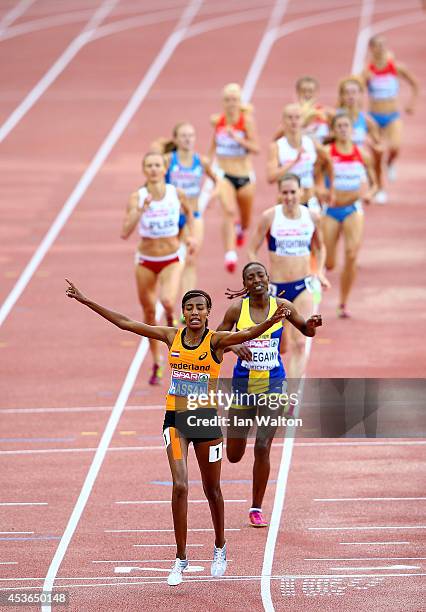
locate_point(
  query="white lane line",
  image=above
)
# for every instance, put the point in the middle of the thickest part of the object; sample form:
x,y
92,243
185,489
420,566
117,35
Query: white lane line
x,y
190,501
127,570
165,545
16,532
391,543
78,409
14,14
135,21
378,567
227,21
104,150
92,449
366,559
264,48
23,503
281,486
8,563
364,33
148,561
345,499
56,69
35,25
400,21
360,443
140,581
161,530
303,576
140,93
363,527
135,579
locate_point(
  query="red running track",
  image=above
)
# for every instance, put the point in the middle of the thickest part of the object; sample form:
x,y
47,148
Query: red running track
x,y
60,356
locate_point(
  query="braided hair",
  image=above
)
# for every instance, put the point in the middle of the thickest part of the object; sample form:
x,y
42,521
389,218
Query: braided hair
x,y
233,293
194,293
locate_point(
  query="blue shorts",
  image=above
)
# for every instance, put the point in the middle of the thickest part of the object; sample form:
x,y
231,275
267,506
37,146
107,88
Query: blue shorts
x,y
339,213
384,119
289,291
182,218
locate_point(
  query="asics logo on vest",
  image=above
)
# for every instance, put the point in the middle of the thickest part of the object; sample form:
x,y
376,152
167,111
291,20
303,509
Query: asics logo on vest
x,y
191,366
202,356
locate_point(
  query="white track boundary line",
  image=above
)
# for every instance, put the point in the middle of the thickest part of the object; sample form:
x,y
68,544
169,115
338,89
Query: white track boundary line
x,y
366,559
346,499
163,530
140,581
284,469
372,543
124,449
364,34
23,503
366,527
400,21
56,69
143,88
167,501
44,23
14,14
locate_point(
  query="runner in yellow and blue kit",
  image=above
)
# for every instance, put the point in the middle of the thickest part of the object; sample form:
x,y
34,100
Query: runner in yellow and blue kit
x,y
259,370
195,355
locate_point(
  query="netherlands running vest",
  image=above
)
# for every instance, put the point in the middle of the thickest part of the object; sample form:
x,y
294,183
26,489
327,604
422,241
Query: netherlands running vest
x,y
194,370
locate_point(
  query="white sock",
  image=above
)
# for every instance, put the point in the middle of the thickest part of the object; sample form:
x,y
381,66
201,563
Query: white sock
x,y
231,256
255,510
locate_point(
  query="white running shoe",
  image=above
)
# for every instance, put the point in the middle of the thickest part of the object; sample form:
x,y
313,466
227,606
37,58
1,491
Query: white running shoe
x,y
231,259
392,172
219,563
175,576
381,197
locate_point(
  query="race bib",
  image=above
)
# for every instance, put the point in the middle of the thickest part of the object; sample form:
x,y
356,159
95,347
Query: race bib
x,y
265,354
184,383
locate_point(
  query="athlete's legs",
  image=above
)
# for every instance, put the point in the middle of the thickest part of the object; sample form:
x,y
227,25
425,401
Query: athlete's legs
x,y
377,157
189,275
169,282
352,231
262,448
297,341
261,470
210,467
236,434
178,467
146,281
245,197
331,231
393,135
227,198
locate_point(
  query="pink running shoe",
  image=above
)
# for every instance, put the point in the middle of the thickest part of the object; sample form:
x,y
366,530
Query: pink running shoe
x,y
157,374
256,519
342,313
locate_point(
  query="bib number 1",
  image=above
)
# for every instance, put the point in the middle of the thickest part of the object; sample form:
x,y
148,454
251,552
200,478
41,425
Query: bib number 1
x,y
215,452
